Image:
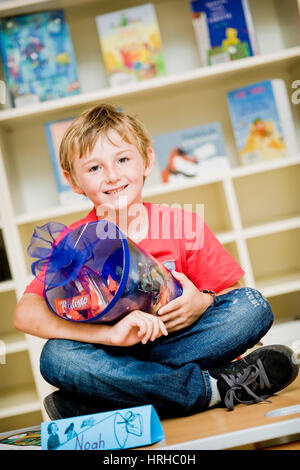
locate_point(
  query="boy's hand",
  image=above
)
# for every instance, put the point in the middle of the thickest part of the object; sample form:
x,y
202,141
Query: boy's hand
x,y
137,327
186,309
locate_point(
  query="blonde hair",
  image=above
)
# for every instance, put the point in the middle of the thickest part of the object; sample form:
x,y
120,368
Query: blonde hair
x,y
82,134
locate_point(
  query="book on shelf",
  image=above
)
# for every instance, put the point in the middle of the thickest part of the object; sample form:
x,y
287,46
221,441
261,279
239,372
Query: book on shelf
x,y
38,57
54,134
224,30
21,439
191,152
131,44
262,121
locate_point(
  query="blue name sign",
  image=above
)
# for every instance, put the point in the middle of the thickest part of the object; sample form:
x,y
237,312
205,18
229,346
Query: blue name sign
x,y
120,429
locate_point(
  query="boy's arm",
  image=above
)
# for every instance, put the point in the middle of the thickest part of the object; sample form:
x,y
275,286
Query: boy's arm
x,y
190,306
32,316
237,285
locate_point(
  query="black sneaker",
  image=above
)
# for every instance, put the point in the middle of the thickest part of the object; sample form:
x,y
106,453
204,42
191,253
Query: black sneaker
x,y
62,404
257,376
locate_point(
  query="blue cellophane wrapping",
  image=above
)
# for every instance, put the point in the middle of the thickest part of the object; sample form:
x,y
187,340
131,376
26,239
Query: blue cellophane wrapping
x,y
95,274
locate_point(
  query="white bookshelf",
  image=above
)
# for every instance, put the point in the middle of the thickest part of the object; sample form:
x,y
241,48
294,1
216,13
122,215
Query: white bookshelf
x,y
254,211
6,286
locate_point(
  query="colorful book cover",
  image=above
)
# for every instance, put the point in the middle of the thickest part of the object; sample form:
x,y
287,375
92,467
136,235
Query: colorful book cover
x,y
38,57
262,121
131,44
191,152
224,30
21,439
54,134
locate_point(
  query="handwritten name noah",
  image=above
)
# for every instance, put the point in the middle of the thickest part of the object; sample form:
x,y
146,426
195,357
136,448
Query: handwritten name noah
x,y
82,444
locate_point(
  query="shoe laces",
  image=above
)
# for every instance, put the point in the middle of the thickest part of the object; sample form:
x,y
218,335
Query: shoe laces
x,y
252,376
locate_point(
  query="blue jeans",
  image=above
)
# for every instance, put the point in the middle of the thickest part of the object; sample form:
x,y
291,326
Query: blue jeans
x,y
170,373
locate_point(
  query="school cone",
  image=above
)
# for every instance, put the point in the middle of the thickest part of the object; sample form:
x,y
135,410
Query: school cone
x,y
96,274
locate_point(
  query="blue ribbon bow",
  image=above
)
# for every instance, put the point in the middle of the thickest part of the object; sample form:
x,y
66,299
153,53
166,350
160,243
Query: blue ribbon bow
x,y
59,254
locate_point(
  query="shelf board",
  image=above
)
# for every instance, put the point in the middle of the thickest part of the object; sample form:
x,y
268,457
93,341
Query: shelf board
x,y
53,212
202,75
210,177
14,342
226,237
272,227
280,284
18,401
241,171
17,7
165,188
9,5
6,286
156,190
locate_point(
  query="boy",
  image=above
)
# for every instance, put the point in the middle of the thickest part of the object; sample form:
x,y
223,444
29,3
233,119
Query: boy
x,y
179,360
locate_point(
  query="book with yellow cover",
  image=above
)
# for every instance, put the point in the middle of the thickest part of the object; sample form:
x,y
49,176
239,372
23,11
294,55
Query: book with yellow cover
x,y
262,121
131,44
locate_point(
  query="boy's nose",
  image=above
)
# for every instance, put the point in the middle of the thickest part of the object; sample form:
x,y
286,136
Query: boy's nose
x,y
111,175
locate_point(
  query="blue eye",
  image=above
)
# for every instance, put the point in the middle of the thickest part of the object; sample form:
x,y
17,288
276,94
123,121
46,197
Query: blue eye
x,y
94,168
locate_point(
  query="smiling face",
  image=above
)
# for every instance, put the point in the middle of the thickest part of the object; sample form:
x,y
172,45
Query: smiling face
x,y
112,173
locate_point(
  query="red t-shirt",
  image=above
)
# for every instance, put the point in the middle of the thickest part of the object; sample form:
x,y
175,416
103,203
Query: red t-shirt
x,y
180,240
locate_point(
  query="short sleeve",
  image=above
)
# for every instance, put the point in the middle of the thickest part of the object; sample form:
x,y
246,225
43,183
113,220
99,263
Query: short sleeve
x,y
36,286
209,265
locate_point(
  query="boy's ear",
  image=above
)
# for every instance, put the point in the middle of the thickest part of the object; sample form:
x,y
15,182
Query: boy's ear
x,y
151,159
72,183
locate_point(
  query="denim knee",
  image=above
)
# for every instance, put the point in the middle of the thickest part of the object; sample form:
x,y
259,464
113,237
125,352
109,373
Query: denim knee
x,y
253,308
51,360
